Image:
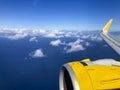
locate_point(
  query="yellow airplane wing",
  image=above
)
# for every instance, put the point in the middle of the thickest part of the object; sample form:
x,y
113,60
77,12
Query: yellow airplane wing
x,y
105,35
102,74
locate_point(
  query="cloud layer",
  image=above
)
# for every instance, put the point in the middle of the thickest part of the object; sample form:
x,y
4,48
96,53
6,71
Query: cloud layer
x,y
15,34
82,41
78,45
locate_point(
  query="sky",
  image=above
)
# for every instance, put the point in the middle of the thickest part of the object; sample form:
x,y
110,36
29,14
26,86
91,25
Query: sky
x,y
59,14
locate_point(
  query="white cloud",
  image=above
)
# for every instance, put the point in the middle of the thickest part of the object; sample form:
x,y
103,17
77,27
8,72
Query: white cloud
x,y
87,44
13,33
50,35
74,46
78,41
71,34
78,45
53,34
99,39
47,34
37,54
85,36
16,36
16,33
38,32
95,38
33,39
56,42
68,34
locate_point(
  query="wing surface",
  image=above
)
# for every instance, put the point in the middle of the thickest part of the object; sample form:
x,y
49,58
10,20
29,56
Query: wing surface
x,y
109,40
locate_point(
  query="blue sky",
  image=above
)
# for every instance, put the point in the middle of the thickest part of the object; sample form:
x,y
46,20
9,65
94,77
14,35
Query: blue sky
x,y
59,14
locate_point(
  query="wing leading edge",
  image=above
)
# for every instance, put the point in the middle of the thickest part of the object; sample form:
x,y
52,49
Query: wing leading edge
x,y
109,40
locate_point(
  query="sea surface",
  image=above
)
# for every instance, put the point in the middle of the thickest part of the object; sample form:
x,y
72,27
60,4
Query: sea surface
x,y
21,71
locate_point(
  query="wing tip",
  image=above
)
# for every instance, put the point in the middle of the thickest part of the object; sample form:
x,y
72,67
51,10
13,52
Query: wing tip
x,y
107,26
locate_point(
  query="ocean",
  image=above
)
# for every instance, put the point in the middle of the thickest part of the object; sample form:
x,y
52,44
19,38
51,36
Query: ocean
x,y
22,68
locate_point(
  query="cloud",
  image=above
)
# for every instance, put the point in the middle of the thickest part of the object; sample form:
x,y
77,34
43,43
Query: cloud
x,y
87,44
56,42
68,34
37,54
95,38
38,32
17,36
85,36
72,34
47,34
16,33
50,35
53,34
33,39
78,41
13,33
74,46
99,39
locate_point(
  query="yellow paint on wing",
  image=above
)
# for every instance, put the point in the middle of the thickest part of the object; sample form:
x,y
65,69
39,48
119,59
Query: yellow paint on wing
x,y
106,28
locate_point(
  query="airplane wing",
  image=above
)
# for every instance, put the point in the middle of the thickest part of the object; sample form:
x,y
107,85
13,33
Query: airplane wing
x,y
112,42
101,74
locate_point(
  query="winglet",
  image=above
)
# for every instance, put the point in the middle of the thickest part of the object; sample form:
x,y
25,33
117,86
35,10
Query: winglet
x,y
106,28
85,60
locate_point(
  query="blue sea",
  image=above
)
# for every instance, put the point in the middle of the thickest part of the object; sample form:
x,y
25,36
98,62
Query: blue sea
x,y
21,71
